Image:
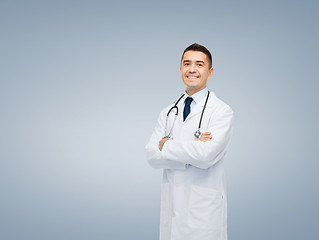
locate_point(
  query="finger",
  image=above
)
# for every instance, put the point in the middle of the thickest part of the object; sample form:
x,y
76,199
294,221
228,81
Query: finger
x,y
206,134
206,138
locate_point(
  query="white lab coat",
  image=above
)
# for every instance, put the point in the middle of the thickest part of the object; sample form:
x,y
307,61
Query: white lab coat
x,y
193,201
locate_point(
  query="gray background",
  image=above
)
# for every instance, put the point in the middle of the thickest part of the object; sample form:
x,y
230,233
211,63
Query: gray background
x,y
82,84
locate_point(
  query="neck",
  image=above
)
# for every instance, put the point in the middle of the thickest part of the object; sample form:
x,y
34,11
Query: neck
x,y
191,92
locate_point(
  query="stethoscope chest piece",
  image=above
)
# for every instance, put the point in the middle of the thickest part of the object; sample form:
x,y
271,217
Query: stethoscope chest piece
x,y
198,133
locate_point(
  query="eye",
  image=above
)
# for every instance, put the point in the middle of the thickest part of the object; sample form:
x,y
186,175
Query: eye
x,y
186,64
200,64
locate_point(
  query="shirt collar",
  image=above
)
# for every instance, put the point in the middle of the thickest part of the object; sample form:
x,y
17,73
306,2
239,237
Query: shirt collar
x,y
197,97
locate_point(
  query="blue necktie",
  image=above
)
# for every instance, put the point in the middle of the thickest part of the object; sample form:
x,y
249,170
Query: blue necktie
x,y
187,108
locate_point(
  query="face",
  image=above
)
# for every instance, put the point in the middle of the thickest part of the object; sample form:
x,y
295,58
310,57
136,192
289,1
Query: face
x,y
195,71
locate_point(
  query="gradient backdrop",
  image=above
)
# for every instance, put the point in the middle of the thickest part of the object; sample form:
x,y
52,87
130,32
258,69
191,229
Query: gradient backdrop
x,y
82,84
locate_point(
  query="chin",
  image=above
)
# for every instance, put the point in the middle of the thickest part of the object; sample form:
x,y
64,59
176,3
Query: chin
x,y
191,86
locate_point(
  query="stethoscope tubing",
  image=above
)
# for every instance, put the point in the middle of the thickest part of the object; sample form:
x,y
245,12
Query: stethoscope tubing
x,y
201,117
175,106
176,114
198,132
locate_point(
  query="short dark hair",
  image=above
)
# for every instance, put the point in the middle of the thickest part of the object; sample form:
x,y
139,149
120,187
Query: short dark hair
x,y
199,48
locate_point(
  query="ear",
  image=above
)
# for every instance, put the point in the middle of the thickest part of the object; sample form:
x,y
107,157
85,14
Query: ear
x,y
211,72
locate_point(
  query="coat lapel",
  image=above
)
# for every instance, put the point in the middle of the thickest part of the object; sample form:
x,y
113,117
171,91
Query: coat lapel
x,y
198,108
181,109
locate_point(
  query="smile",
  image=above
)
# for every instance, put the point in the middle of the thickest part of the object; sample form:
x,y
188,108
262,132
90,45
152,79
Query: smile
x,y
192,77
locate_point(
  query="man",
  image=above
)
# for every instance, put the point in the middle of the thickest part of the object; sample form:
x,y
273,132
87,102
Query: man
x,y
193,202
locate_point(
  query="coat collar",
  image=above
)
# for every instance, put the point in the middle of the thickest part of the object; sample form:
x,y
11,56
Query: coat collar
x,y
199,96
198,107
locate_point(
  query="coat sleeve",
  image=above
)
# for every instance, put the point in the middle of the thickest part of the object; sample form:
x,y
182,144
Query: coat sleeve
x,y
153,154
203,154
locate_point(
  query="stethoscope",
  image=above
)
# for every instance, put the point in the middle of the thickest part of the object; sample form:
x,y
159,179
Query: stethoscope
x,y
198,133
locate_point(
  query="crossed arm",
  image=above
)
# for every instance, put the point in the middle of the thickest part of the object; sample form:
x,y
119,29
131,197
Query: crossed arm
x,y
207,136
203,153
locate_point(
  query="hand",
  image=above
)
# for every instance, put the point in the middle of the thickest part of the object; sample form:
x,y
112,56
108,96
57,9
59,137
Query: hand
x,y
161,143
207,136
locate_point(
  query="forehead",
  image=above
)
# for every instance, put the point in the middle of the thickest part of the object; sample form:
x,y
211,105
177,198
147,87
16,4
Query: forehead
x,y
195,56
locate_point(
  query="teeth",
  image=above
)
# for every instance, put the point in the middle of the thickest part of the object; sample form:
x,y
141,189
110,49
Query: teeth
x,y
192,77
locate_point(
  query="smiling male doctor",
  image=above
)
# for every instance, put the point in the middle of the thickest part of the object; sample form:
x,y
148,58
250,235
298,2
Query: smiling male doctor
x,y
193,202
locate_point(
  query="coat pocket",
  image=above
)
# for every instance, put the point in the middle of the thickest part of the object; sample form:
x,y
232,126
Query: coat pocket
x,y
205,208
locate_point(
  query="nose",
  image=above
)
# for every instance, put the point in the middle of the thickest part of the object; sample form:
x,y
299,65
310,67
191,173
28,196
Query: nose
x,y
192,68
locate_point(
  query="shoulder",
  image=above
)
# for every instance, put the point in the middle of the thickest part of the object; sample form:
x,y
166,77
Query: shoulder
x,y
166,109
178,102
218,105
164,112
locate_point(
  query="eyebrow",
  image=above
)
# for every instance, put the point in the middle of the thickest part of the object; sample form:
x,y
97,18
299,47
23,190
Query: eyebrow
x,y
197,61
